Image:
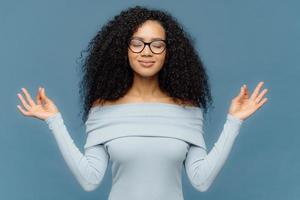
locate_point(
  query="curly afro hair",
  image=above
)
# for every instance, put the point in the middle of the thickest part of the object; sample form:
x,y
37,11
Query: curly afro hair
x,y
107,74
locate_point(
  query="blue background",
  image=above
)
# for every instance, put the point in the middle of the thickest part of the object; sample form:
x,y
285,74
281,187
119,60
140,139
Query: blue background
x,y
240,42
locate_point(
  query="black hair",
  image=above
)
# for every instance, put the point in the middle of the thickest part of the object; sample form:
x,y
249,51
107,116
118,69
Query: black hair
x,y
107,74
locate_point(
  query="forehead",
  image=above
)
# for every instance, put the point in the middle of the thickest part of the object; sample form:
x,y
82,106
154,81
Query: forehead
x,y
150,30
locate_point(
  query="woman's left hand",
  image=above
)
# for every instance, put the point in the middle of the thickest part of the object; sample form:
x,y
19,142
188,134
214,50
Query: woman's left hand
x,y
242,106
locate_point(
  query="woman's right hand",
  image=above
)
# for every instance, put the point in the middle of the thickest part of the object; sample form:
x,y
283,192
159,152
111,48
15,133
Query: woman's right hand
x,y
37,110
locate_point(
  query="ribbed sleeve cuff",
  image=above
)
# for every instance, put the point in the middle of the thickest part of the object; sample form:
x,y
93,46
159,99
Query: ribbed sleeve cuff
x,y
54,121
234,119
234,124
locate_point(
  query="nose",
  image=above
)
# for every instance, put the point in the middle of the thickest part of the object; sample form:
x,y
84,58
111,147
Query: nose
x,y
146,50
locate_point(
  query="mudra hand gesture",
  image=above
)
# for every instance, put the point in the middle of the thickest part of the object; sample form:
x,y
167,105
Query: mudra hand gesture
x,y
242,106
37,110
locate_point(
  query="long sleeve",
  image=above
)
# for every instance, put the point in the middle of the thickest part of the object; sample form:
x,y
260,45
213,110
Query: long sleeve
x,y
202,168
89,169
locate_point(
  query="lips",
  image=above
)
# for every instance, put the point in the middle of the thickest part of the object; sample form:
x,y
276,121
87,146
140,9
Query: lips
x,y
146,63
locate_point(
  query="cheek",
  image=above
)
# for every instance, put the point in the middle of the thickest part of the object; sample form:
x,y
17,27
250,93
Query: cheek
x,y
162,59
131,57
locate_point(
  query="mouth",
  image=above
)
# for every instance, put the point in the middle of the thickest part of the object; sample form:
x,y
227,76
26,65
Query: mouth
x,y
146,63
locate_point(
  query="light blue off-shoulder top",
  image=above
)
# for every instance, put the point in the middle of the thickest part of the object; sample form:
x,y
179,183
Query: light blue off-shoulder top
x,y
147,144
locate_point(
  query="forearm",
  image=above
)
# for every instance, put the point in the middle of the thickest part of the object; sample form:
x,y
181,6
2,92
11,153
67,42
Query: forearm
x,y
88,169
203,168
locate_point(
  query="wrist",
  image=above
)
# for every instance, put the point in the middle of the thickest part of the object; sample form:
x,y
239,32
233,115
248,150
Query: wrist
x,y
235,117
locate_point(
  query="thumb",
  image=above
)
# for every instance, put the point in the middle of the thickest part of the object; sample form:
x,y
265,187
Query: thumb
x,y
242,91
43,95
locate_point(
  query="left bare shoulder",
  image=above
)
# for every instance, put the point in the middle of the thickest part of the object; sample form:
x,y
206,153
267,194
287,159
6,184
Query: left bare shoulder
x,y
181,102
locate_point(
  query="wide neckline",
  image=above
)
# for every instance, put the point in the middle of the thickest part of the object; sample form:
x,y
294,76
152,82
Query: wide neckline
x,y
145,104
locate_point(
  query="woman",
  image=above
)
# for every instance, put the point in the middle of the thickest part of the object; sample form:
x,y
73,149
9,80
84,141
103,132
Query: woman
x,y
145,91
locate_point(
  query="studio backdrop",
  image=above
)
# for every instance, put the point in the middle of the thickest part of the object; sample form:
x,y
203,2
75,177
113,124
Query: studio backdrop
x,y
240,42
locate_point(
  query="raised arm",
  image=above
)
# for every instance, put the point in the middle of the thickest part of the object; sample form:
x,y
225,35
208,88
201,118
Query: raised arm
x,y
203,168
89,168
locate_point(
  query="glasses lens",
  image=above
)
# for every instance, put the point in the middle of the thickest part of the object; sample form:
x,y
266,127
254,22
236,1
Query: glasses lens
x,y
158,46
136,45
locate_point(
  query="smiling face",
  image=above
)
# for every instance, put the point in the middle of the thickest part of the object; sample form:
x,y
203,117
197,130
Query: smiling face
x,y
147,63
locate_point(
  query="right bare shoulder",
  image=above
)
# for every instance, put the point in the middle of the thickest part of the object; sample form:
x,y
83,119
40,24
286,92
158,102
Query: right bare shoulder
x,y
103,103
96,103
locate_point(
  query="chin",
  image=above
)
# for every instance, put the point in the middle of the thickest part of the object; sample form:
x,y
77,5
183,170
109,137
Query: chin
x,y
146,72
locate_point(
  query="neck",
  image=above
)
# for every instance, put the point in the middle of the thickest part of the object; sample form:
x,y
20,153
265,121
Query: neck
x,y
145,87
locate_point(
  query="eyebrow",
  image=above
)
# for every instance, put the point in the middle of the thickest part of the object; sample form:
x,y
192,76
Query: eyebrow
x,y
152,39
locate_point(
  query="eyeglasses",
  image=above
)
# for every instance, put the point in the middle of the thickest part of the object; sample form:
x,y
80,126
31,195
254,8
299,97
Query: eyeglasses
x,y
156,46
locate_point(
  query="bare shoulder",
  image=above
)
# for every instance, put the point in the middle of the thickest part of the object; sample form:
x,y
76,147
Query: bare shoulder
x,y
185,103
107,102
96,103
189,103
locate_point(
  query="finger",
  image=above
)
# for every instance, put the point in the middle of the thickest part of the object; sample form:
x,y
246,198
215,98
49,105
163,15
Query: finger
x,y
38,97
256,90
24,102
241,91
23,111
260,96
28,97
240,96
262,103
244,91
